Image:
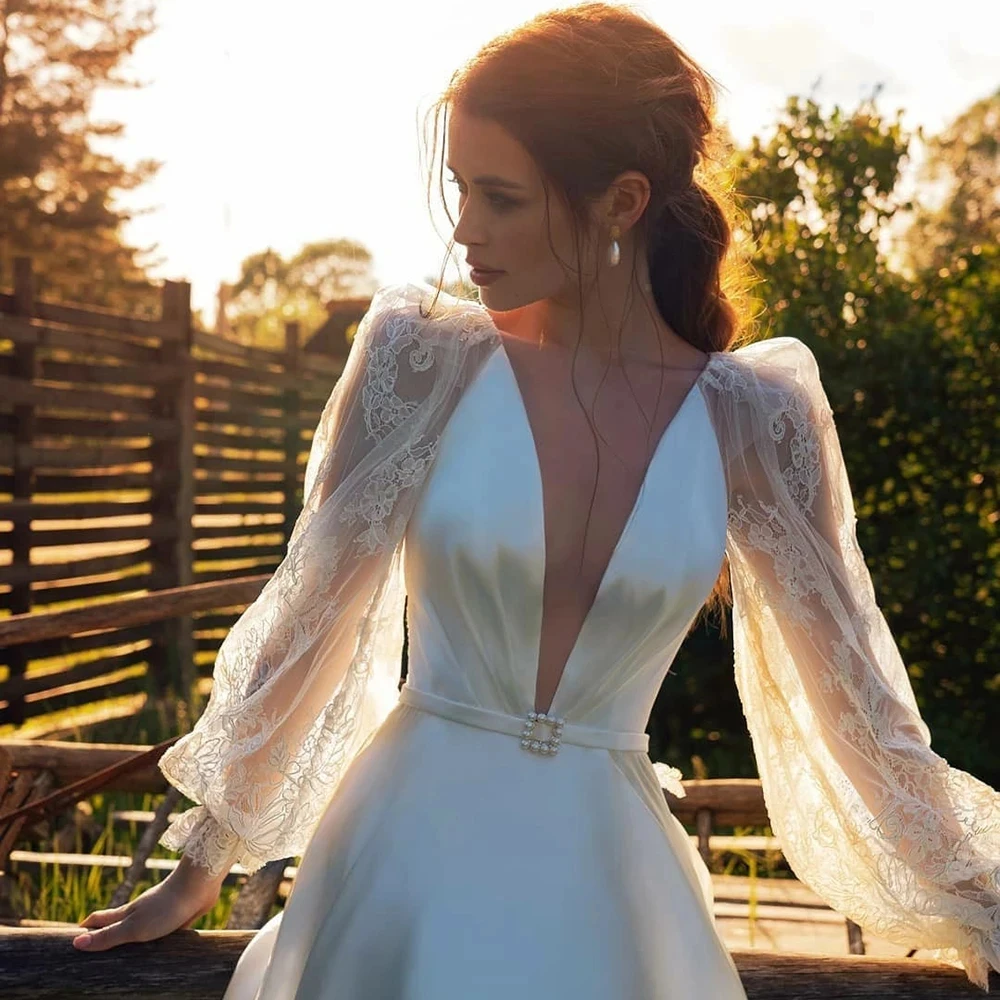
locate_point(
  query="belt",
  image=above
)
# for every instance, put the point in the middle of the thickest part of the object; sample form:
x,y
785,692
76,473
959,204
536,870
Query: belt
x,y
525,726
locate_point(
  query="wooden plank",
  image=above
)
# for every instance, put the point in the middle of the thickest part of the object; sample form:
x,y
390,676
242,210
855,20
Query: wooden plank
x,y
121,587
37,963
33,859
725,842
242,531
79,456
57,680
742,804
234,552
103,319
105,482
123,426
17,390
254,466
257,439
70,761
24,330
44,704
212,344
210,486
775,911
211,508
159,606
235,400
740,888
246,375
69,567
218,419
208,575
76,644
206,623
143,376
159,527
29,509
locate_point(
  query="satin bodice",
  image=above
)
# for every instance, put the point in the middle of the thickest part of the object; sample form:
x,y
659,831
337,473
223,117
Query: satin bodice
x,y
474,564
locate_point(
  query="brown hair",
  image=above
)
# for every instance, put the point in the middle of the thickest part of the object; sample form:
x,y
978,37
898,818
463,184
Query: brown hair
x,y
593,90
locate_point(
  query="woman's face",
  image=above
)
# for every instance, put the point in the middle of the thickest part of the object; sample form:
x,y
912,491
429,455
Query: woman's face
x,y
502,217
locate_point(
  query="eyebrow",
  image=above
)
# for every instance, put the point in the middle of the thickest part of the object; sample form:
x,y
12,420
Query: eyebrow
x,y
492,179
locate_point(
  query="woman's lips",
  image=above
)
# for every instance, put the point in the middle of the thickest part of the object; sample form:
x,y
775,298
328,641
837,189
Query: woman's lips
x,y
484,277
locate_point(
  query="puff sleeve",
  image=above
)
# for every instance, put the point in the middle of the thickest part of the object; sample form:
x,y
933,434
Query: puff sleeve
x,y
868,814
311,668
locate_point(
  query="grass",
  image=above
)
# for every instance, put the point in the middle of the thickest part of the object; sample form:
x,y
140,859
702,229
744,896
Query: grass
x,y
69,892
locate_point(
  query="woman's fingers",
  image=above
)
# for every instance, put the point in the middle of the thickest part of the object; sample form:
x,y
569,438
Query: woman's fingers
x,y
101,918
110,936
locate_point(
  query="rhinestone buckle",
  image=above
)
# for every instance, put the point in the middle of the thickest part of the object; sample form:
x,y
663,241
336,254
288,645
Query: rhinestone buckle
x,y
544,746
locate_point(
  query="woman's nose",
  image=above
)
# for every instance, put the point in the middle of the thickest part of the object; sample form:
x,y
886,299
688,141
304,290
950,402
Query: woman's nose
x,y
468,231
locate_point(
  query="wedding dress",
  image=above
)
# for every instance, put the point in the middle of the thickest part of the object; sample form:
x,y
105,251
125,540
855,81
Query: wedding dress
x,y
459,847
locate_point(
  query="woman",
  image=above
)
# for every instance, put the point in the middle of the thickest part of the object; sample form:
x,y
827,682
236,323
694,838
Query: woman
x,y
496,828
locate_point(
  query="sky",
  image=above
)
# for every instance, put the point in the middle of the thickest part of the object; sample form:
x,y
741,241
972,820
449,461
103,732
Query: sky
x,y
281,124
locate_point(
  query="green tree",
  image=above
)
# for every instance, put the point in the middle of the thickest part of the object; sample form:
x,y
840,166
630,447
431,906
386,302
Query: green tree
x,y
964,160
911,370
56,190
271,291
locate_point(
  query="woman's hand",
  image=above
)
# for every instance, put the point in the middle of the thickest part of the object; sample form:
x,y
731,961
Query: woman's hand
x,y
186,894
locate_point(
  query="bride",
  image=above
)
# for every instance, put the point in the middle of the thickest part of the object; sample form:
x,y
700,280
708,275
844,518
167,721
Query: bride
x,y
560,477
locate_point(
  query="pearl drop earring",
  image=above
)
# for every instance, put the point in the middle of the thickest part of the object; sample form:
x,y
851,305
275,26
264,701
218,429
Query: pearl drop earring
x,y
614,251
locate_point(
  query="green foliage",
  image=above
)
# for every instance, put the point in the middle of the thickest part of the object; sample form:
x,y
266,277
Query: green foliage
x,y
69,892
911,367
272,291
965,160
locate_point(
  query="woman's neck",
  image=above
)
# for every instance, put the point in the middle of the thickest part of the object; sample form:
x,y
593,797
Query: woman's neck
x,y
553,328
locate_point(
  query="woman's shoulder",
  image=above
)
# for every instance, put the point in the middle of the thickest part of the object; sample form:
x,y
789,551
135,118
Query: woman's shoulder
x,y
772,354
409,309
779,365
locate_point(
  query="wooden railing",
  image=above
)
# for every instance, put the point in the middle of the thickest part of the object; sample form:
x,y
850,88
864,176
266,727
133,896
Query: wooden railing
x,y
39,963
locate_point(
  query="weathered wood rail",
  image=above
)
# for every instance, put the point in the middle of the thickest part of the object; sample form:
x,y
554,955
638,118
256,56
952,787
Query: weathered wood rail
x,y
41,964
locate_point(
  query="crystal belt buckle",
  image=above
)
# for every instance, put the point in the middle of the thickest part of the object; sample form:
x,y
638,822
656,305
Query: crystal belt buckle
x,y
544,746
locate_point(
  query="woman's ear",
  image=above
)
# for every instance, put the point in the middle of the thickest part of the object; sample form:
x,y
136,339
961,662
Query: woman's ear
x,y
626,199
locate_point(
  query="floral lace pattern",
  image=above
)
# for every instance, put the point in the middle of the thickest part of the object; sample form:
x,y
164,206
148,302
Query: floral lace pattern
x,y
309,670
869,816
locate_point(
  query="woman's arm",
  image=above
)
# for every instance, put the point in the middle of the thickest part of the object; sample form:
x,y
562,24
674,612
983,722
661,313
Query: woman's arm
x,y
869,816
311,668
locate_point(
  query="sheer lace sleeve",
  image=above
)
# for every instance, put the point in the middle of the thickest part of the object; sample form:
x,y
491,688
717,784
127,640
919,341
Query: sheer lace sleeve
x,y
869,816
311,668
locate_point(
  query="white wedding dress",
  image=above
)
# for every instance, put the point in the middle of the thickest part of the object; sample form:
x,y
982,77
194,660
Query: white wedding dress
x,y
446,856
455,863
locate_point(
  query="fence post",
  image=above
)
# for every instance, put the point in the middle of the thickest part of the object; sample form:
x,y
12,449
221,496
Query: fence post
x,y
25,368
703,825
291,407
855,938
172,664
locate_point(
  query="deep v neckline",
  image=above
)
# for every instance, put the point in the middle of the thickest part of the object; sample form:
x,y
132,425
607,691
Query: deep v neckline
x,y
636,503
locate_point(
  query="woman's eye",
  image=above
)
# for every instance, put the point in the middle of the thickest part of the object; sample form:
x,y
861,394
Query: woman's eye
x,y
498,201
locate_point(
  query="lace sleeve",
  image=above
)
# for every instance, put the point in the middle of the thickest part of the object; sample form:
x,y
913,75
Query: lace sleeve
x,y
311,668
869,816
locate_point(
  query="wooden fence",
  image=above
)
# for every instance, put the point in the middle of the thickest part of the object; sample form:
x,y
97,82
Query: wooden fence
x,y
138,455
